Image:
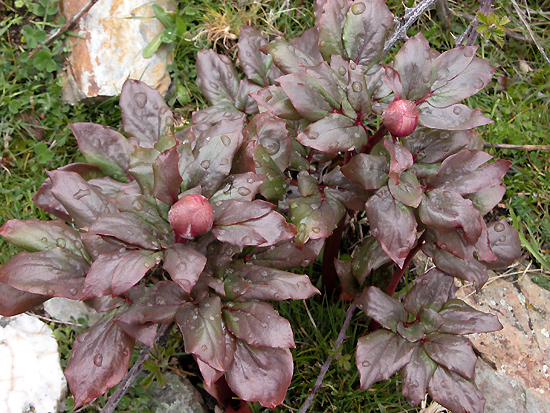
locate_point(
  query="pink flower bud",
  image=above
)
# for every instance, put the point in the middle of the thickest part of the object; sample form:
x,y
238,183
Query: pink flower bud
x,y
191,216
401,117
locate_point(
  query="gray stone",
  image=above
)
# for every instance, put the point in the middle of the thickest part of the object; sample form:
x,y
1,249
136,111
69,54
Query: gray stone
x,y
179,396
63,309
114,34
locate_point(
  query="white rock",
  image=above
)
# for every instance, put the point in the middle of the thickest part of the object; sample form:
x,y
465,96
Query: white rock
x,y
114,32
63,309
31,378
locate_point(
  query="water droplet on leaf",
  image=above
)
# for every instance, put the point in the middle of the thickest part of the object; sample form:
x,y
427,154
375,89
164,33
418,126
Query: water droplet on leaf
x,y
138,206
226,140
81,193
141,99
342,70
205,164
499,227
243,191
457,110
98,360
357,87
358,8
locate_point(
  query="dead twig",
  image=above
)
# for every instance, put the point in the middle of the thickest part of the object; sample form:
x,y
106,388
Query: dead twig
x,y
517,147
526,24
70,23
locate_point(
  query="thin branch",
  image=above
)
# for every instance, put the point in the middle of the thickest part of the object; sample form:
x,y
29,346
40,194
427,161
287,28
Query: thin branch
x,y
69,24
517,147
134,372
471,31
326,365
526,24
411,15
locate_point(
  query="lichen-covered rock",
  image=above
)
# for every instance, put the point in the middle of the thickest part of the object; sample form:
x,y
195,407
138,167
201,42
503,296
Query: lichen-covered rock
x,y
519,354
31,378
114,32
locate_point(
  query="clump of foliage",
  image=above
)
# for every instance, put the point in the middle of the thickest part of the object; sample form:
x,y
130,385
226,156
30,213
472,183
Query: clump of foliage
x,y
200,226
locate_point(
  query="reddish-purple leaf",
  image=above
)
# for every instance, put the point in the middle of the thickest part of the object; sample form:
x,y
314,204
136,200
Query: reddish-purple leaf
x,y
366,27
446,210
416,375
400,157
357,89
141,168
460,319
454,117
14,301
56,272
156,304
433,145
256,65
239,187
347,280
486,199
413,62
286,256
450,264
209,375
271,284
275,100
392,224
104,147
330,19
260,374
387,310
453,242
379,355
167,179
83,202
99,360
184,264
145,332
369,171
315,216
430,290
369,256
306,95
243,102
505,244
258,324
35,235
202,330
407,190
333,133
145,115
216,77
452,352
128,228
455,392
115,272
306,47
449,64
467,83
289,58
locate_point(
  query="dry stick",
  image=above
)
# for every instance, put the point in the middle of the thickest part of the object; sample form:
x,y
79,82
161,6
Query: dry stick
x,y
68,25
518,147
411,15
134,372
524,21
326,365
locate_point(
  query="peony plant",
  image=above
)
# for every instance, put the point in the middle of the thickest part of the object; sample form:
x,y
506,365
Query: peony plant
x,y
200,226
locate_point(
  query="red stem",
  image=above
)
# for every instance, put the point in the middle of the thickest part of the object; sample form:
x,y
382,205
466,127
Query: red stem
x,y
374,139
398,273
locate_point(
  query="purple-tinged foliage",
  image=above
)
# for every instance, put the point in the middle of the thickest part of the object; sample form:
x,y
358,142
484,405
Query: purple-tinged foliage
x,y
169,226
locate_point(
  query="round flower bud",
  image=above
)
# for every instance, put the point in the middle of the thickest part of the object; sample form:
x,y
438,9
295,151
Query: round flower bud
x,y
191,216
401,117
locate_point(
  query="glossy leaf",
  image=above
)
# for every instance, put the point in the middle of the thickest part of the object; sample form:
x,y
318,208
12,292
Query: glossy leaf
x,y
256,65
82,201
452,352
486,199
430,290
272,284
460,318
333,133
416,375
454,117
369,256
315,216
330,19
379,355
99,360
275,100
14,301
285,255
408,190
387,310
392,224
55,272
287,57
365,30
216,77
258,324
505,244
370,171
455,392
400,158
104,147
145,115
202,331
167,179
260,374
240,187
433,145
449,64
184,264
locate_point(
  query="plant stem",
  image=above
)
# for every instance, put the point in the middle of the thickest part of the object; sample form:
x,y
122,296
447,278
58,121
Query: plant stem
x,y
134,372
398,273
374,139
326,365
331,283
